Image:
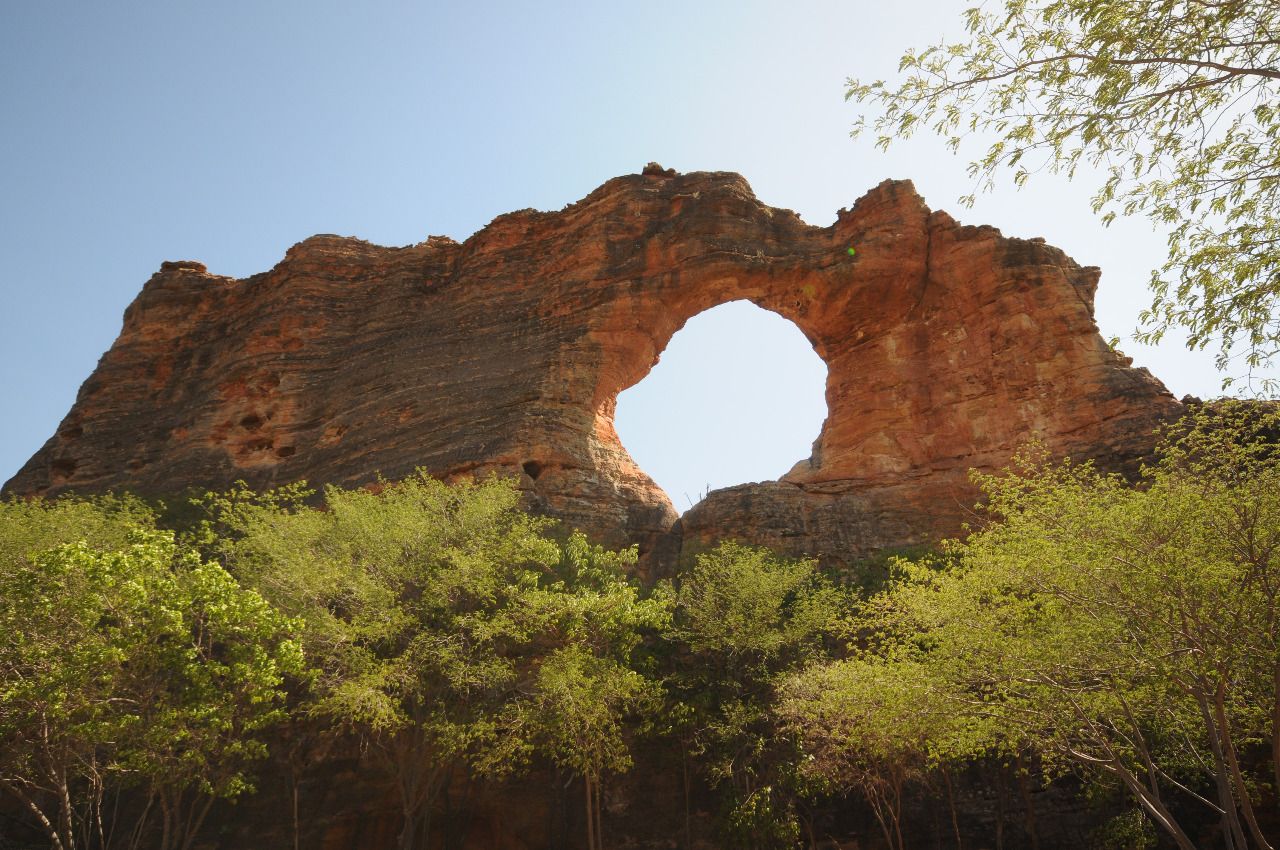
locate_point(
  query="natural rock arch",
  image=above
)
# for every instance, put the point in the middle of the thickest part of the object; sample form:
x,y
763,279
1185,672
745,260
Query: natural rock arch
x,y
738,395
946,347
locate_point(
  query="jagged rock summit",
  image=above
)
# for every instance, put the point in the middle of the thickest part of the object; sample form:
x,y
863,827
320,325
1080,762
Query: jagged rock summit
x,y
947,347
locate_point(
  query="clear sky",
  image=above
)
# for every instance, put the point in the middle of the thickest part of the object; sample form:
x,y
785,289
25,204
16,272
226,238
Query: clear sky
x,y
135,132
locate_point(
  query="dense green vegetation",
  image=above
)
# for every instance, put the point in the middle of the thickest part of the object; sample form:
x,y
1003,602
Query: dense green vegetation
x,y
128,662
744,619
447,630
1127,636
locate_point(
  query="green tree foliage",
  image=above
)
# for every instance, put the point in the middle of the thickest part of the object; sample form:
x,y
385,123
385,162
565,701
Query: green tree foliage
x,y
1173,101
592,682
29,527
1128,633
1128,831
1125,633
872,725
579,706
128,664
745,618
448,629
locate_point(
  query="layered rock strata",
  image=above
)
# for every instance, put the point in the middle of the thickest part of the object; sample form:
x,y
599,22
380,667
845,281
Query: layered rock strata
x,y
947,347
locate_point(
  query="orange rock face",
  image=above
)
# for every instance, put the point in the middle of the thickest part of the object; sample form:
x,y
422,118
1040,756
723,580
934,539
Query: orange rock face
x,y
947,347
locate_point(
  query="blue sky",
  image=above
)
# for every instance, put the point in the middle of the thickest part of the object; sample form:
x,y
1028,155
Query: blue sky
x,y
136,132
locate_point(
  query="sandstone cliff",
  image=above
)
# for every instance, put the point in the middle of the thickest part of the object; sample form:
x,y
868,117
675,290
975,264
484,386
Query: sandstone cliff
x,y
947,346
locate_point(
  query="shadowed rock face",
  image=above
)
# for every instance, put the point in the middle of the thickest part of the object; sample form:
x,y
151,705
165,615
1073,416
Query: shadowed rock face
x,y
946,346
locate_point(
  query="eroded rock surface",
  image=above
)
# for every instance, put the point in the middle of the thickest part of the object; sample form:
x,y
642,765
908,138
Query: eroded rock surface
x,y
947,347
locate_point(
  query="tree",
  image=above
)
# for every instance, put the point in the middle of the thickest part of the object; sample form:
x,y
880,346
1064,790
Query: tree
x,y
407,597
204,684
873,723
448,629
590,681
1126,632
744,618
30,527
142,667
579,706
1174,102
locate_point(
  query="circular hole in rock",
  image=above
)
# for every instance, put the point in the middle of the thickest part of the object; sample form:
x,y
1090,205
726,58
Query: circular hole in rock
x,y
739,395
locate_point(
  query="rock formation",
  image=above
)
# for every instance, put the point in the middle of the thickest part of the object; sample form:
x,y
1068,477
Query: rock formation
x,y
947,347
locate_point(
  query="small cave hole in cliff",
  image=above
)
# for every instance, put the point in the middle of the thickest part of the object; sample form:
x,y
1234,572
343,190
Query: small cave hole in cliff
x,y
739,395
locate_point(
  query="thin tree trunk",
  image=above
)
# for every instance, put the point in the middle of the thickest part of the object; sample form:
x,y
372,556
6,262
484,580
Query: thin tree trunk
x,y
1275,727
1148,800
1156,809
457,819
591,832
1232,831
426,814
140,825
408,798
896,811
49,828
1233,763
688,825
408,833
58,779
598,797
951,803
1024,786
419,781
93,813
1140,742
297,829
166,822
878,807
807,818
1148,795
115,818
558,828
196,820
66,811
1000,807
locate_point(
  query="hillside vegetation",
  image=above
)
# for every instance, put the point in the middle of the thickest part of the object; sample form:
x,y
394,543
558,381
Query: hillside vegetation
x,y
1124,636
